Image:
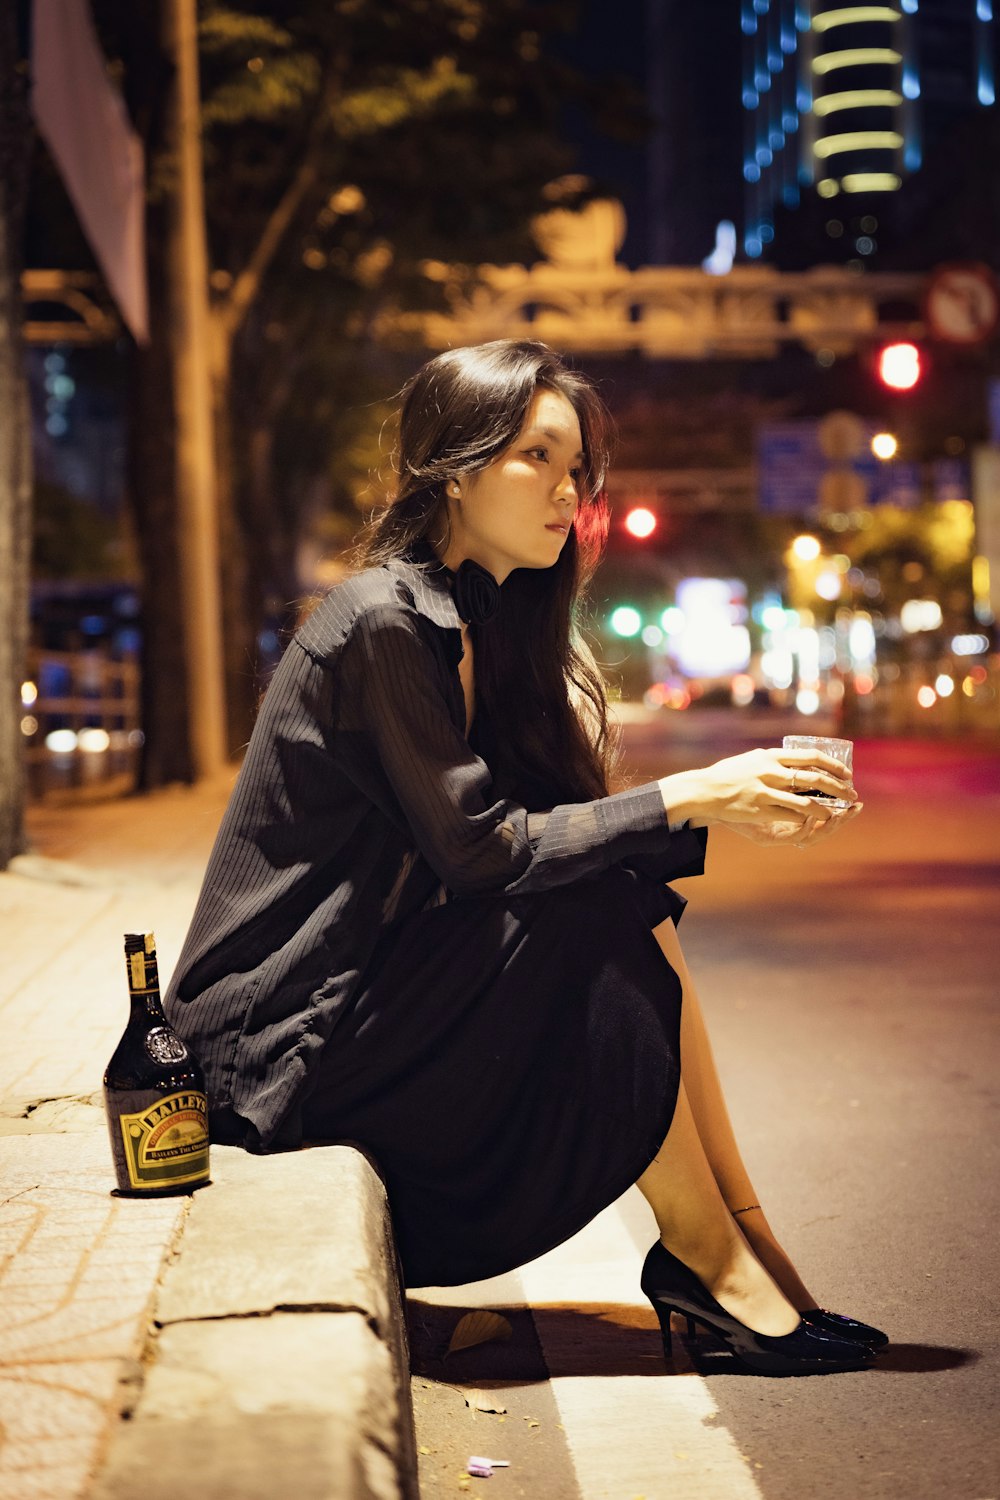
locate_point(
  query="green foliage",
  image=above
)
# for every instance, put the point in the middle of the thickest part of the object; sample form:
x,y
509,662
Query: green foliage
x,y
71,538
402,96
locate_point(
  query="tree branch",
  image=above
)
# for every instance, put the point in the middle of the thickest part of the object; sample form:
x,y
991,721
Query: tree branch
x,y
233,308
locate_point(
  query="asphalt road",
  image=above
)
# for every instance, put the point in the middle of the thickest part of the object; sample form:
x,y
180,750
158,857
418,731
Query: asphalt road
x,y
852,995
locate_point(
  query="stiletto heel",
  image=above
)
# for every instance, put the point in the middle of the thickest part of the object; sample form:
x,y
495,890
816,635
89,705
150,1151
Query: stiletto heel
x,y
692,1327
663,1317
671,1286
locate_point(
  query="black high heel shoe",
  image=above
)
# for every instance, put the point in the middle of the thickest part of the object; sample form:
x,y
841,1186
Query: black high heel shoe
x,y
671,1286
840,1327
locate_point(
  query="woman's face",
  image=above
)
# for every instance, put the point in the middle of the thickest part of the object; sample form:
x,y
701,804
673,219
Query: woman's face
x,y
516,513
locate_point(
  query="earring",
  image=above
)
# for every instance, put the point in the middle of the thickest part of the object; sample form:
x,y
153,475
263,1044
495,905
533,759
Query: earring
x,y
455,488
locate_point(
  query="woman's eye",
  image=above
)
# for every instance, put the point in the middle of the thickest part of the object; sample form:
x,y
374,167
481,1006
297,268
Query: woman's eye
x,y
539,453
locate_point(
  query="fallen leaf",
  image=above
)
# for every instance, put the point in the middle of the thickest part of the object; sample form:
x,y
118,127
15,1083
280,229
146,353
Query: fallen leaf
x,y
483,1401
425,1450
478,1328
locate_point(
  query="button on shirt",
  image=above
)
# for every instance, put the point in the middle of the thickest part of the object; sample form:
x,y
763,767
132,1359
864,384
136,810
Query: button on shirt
x,y
359,801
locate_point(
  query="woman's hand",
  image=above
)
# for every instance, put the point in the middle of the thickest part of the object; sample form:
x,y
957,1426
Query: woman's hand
x,y
795,835
759,788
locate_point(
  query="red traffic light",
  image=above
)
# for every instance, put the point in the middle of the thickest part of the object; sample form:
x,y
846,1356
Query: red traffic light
x,y
640,522
899,366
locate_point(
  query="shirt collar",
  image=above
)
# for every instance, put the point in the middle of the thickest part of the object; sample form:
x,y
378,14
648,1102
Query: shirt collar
x,y
430,583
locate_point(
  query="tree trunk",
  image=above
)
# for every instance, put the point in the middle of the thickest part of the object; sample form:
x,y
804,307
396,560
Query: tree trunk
x,y
152,491
16,140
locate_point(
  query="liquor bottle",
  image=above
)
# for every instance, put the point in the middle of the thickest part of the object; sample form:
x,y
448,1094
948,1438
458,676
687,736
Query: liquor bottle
x,y
154,1092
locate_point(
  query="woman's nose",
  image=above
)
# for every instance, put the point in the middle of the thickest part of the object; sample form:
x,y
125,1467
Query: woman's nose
x,y
567,490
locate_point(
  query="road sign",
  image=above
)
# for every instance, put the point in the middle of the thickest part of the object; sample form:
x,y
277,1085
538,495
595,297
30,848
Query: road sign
x,y
790,466
962,303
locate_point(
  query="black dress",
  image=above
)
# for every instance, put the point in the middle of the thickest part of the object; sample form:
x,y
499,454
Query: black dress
x,y
387,948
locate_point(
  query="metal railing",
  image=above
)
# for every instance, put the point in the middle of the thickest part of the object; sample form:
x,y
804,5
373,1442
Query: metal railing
x,y
81,721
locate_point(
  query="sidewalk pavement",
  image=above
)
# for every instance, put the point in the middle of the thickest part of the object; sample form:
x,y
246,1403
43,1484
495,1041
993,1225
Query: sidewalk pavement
x,y
79,1266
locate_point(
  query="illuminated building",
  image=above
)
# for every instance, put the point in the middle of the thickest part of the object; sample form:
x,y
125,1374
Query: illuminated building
x,y
843,100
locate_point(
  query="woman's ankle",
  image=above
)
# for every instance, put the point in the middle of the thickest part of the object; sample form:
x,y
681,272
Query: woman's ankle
x,y
774,1258
712,1261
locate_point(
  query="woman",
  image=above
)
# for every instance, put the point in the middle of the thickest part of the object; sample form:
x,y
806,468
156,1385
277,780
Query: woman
x,y
427,927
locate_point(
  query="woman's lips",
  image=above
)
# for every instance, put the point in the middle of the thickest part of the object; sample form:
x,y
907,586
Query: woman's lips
x,y
561,526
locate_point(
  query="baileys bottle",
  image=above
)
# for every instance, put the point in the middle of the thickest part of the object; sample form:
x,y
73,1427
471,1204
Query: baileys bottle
x,y
154,1092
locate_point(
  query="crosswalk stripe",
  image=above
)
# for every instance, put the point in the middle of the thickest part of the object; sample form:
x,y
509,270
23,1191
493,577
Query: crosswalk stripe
x,y
632,1435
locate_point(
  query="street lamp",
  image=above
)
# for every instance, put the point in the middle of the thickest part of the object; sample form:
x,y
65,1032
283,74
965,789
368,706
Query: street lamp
x,y
884,446
806,548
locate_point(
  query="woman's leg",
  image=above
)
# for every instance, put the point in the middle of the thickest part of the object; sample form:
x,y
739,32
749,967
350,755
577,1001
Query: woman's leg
x,y
711,1117
696,1225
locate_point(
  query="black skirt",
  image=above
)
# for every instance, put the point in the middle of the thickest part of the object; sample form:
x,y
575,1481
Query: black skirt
x,y
512,1064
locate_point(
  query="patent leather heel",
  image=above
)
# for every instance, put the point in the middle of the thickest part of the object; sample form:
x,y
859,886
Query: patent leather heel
x,y
671,1286
663,1317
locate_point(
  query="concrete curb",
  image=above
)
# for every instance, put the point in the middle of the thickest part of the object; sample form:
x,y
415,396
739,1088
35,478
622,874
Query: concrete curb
x,y
281,1364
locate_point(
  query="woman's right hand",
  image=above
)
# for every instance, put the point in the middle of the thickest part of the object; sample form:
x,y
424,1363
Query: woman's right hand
x,y
756,787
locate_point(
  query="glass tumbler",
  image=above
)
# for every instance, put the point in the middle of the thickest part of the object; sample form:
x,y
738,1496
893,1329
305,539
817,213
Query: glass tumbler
x,y
842,750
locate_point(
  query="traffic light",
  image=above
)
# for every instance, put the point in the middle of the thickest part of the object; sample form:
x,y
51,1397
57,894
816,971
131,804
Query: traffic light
x,y
640,522
899,366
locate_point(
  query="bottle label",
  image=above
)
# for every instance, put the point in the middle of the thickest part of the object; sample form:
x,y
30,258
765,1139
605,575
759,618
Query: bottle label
x,y
165,1046
167,1143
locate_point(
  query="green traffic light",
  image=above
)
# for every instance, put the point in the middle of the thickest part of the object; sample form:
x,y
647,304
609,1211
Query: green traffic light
x,y
626,621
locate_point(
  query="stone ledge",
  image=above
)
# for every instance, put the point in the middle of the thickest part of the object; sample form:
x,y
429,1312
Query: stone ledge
x,y
281,1365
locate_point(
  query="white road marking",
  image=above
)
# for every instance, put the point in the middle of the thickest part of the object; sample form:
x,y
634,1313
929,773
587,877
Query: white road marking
x,y
632,1436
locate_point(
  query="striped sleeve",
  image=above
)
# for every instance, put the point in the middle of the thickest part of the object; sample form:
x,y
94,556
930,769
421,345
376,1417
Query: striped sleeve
x,y
476,843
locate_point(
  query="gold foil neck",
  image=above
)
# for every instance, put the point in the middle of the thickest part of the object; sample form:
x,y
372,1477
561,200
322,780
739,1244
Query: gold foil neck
x,y
137,968
150,942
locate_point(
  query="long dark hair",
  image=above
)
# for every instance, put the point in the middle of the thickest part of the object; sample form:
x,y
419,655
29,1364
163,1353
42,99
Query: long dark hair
x,y
537,682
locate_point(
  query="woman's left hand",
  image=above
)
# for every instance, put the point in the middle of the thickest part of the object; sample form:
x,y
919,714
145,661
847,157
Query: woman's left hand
x,y
798,835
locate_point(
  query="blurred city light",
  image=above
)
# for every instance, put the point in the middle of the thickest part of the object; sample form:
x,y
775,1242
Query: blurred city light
x,y
926,696
640,522
884,445
712,643
626,621
93,740
61,741
652,635
29,694
672,620
899,366
806,548
743,689
29,724
664,695
969,645
807,701
861,639
944,685
828,584
920,614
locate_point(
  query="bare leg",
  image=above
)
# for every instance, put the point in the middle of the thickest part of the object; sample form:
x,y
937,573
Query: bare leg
x,y
698,1228
711,1116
